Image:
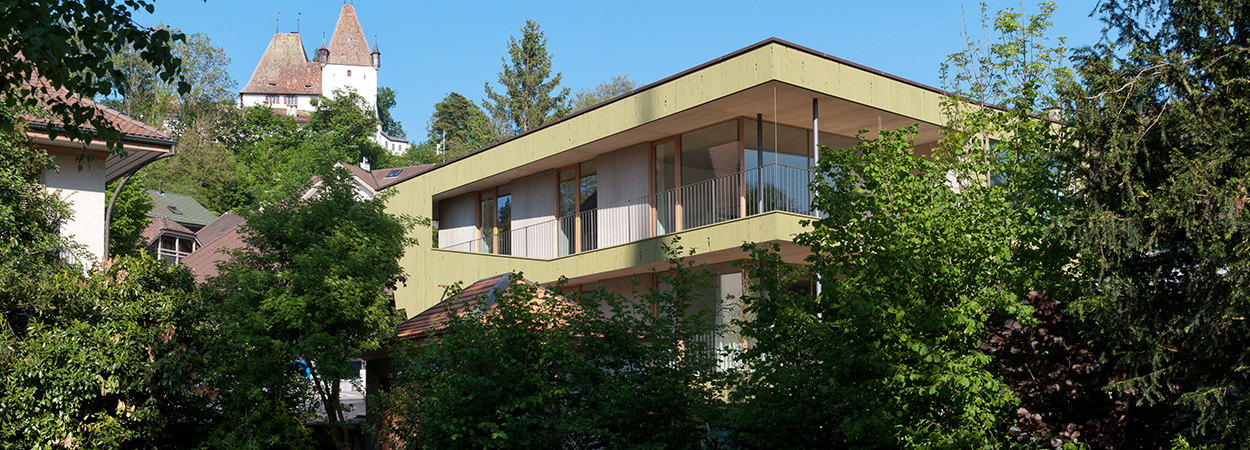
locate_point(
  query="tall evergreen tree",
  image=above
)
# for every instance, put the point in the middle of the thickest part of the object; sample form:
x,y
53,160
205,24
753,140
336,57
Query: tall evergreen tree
x,y
1162,191
527,100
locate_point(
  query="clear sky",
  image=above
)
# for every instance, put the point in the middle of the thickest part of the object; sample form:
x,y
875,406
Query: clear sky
x,y
430,49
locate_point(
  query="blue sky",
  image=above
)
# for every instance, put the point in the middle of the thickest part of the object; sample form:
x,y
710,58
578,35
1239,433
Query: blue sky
x,y
430,49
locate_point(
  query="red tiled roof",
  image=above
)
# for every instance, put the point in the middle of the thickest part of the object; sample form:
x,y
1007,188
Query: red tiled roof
x,y
204,260
432,320
376,179
130,126
406,172
159,225
218,227
285,69
479,296
347,44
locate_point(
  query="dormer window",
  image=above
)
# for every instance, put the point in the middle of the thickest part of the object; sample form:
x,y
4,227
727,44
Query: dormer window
x,y
174,209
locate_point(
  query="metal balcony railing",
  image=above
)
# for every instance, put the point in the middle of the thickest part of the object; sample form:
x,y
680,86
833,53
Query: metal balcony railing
x,y
774,187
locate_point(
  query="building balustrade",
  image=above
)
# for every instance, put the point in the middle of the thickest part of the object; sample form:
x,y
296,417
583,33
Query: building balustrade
x,y
773,187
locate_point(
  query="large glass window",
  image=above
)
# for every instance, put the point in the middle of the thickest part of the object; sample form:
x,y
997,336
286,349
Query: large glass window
x,y
578,198
486,219
708,155
777,175
503,220
588,202
567,202
665,181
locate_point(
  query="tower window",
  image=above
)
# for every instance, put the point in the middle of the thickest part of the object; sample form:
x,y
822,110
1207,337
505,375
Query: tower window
x,y
349,73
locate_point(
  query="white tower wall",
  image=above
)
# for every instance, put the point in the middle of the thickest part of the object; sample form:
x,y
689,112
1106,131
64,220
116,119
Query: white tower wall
x,y
364,79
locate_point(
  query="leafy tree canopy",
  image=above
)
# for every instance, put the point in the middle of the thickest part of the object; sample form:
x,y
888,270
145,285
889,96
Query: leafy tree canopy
x,y
918,252
459,127
311,284
144,95
386,101
69,45
587,97
129,216
588,370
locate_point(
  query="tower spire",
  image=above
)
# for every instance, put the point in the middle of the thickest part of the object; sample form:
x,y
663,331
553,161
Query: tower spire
x,y
276,24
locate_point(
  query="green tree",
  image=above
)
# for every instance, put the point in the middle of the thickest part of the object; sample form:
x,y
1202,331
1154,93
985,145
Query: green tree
x,y
386,101
459,127
278,157
68,45
204,166
129,217
1160,194
311,283
588,370
145,96
345,122
30,221
587,97
531,95
115,358
423,153
916,256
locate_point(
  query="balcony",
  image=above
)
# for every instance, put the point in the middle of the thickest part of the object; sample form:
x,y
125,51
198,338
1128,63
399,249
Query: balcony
x,y
773,187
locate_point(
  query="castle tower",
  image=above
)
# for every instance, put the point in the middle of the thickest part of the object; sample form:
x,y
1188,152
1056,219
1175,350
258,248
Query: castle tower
x,y
350,63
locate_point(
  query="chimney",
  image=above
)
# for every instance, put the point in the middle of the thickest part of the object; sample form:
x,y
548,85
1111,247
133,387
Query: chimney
x,y
364,164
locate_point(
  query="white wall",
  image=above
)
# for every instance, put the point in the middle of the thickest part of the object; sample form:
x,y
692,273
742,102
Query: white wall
x,y
364,79
457,222
84,192
533,203
624,175
303,102
393,147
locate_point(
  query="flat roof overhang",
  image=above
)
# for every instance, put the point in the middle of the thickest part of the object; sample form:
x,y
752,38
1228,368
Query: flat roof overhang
x,y
773,77
777,101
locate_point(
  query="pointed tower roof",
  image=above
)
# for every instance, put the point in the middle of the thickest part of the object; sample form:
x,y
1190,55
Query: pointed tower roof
x,y
285,69
347,45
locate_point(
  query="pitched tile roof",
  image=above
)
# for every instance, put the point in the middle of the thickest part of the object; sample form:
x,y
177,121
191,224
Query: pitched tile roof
x,y
130,126
347,44
204,260
285,69
432,321
376,180
160,225
218,227
479,296
192,212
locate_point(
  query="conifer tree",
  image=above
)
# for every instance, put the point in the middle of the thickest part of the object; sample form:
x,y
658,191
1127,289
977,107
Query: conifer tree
x,y
527,100
1161,194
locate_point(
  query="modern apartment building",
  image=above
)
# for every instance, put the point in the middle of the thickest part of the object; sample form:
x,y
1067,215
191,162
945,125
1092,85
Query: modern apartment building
x,y
717,156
